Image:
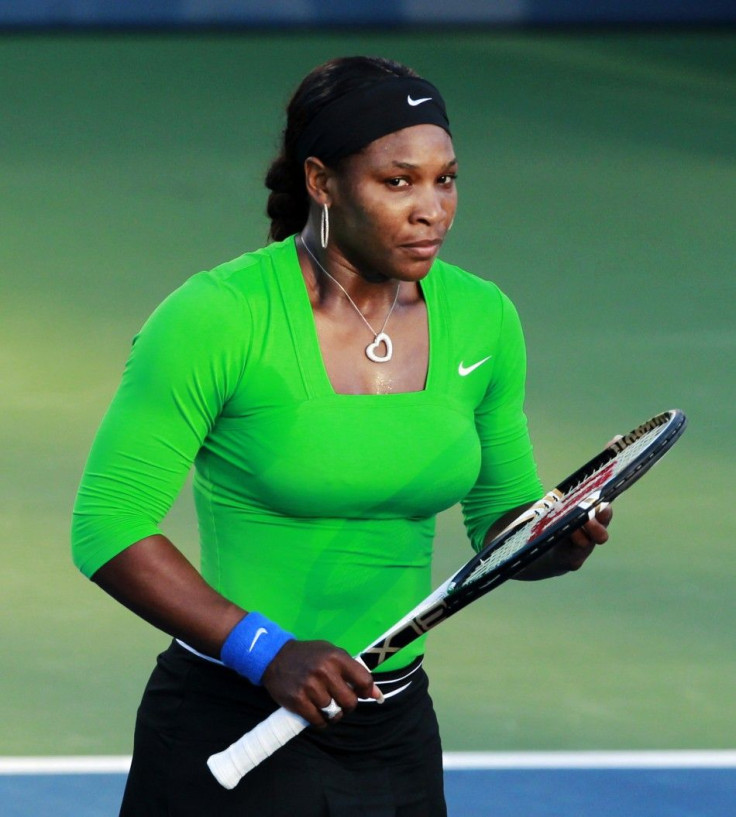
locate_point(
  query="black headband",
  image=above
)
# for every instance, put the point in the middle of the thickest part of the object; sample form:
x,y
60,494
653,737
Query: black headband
x,y
359,117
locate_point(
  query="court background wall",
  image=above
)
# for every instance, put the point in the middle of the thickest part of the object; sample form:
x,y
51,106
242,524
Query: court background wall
x,y
290,13
597,187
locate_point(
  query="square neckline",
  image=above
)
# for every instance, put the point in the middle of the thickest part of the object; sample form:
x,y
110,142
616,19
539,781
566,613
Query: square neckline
x,y
309,354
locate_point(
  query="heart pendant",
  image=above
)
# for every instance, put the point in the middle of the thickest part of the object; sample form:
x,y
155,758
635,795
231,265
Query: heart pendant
x,y
371,348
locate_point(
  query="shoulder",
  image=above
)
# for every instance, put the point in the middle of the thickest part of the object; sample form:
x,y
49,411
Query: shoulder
x,y
244,276
470,297
252,267
224,296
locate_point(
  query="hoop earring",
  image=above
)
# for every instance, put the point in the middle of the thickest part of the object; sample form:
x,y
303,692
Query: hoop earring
x,y
325,227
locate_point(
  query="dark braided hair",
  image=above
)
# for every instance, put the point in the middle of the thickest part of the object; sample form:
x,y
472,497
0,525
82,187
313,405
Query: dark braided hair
x,y
288,202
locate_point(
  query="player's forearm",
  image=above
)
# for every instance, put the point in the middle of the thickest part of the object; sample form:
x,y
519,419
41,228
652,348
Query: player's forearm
x,y
154,580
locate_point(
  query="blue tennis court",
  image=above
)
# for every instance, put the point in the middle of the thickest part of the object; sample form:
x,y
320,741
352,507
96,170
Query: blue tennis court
x,y
635,784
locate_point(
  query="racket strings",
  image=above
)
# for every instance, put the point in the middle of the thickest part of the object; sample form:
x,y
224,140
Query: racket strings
x,y
556,503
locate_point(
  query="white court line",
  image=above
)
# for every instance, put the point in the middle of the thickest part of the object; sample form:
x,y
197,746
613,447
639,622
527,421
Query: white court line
x,y
685,759
98,764
690,759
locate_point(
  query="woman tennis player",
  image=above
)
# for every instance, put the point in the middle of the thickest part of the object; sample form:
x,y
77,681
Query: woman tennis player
x,y
334,391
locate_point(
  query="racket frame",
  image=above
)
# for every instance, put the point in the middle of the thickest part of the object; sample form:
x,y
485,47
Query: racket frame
x,y
230,765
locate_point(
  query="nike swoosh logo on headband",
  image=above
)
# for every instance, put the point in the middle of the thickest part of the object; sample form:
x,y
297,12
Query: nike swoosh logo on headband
x,y
415,102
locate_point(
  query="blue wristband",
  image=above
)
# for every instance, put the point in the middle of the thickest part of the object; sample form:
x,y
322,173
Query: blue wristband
x,y
252,645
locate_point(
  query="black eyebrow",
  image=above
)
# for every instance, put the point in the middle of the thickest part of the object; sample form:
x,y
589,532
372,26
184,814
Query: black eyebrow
x,y
410,166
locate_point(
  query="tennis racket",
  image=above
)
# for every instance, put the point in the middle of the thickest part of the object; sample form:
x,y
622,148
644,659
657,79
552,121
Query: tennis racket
x,y
551,519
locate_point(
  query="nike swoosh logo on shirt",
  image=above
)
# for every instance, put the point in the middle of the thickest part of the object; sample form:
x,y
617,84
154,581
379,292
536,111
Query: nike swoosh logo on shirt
x,y
463,371
415,102
259,632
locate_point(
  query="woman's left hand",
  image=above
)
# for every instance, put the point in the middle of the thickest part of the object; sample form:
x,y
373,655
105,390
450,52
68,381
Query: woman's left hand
x,y
571,553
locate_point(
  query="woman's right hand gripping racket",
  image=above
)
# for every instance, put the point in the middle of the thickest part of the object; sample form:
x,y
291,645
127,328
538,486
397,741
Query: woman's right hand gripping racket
x,y
551,519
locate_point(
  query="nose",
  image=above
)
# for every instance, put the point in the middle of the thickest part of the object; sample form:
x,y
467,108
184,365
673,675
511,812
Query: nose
x,y
433,206
428,206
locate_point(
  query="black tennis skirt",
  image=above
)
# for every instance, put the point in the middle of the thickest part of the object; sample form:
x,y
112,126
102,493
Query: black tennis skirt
x,y
378,761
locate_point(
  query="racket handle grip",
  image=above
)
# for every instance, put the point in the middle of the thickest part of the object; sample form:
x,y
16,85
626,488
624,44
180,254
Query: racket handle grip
x,y
232,764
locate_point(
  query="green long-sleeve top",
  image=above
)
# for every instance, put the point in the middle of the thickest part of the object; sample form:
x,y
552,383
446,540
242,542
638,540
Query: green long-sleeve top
x,y
317,509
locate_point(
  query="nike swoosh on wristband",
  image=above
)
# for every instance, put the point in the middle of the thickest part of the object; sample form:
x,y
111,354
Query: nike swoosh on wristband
x,y
415,102
259,632
463,371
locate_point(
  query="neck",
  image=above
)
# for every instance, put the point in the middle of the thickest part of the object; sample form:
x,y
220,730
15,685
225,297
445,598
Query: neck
x,y
332,275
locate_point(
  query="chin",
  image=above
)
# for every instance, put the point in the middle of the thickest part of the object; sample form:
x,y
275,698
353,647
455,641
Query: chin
x,y
415,271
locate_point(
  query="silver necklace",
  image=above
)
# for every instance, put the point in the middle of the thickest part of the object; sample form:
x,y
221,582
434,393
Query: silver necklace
x,y
371,350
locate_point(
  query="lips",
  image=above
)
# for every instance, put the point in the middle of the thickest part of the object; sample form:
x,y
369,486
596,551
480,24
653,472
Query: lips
x,y
422,249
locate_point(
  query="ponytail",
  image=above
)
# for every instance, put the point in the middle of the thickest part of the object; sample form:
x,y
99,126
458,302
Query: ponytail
x,y
288,202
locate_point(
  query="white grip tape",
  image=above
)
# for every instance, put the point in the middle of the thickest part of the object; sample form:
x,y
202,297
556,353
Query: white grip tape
x,y
232,764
